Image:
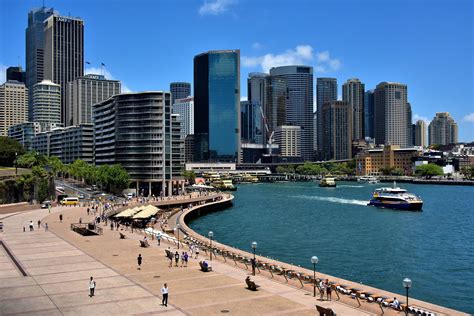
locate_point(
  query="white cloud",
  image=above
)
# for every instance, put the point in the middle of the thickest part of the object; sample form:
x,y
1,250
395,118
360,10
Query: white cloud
x,y
301,54
257,45
417,117
107,75
3,73
215,7
469,118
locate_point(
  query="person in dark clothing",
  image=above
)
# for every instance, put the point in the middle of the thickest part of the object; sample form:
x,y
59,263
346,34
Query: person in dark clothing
x,y
139,260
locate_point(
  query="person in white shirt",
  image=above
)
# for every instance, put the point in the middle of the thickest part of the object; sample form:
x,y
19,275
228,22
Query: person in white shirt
x,y
91,287
164,292
395,303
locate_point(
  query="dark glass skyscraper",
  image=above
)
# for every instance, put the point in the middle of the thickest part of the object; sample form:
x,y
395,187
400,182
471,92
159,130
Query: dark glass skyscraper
x,y
353,93
15,73
299,103
217,106
369,113
326,91
251,122
35,51
179,90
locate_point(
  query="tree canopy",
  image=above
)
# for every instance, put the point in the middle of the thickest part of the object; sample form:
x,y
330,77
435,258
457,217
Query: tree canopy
x,y
429,170
8,148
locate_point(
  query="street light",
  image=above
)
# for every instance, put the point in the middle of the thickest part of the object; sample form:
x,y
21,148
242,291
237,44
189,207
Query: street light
x,y
407,285
16,164
211,234
177,230
254,246
314,260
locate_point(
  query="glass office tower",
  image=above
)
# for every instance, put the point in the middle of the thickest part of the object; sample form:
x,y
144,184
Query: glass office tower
x,y
217,106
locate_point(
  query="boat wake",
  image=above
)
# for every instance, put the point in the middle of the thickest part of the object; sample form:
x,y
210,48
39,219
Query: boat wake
x,y
333,199
350,186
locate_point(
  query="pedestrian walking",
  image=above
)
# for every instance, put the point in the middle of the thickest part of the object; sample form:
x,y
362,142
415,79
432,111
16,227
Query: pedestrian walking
x,y
328,290
182,259
176,258
158,239
186,257
92,285
45,227
197,252
60,218
31,226
139,261
164,293
39,224
322,289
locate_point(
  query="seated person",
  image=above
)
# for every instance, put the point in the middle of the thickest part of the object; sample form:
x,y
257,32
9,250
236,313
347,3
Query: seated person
x,y
395,303
205,265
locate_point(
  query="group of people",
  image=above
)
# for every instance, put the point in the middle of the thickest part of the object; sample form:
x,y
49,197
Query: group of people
x,y
325,288
32,226
183,257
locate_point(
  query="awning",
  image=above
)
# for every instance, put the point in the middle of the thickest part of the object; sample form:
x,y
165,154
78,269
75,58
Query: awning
x,y
148,211
129,212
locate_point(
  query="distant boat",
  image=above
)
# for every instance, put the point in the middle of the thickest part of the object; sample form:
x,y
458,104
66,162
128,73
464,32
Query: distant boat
x,y
368,179
396,198
327,182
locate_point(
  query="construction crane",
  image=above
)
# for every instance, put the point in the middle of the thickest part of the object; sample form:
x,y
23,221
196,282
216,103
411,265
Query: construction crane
x,y
267,129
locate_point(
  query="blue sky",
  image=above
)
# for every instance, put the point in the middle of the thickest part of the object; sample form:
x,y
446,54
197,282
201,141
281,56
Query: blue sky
x,y
427,44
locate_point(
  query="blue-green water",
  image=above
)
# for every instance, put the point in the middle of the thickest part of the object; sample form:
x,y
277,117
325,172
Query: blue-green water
x,y
293,221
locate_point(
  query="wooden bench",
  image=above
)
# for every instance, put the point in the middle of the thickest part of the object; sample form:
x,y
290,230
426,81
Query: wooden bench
x,y
122,236
324,311
251,285
144,244
205,269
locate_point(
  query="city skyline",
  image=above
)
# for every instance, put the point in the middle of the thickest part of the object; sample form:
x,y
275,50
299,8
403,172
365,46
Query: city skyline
x,y
420,53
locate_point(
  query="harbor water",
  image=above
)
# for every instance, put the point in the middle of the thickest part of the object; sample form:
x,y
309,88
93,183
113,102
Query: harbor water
x,y
293,221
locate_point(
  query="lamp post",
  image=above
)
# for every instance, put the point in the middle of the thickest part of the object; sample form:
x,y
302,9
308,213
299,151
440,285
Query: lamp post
x,y
407,285
211,234
177,231
16,164
314,260
254,246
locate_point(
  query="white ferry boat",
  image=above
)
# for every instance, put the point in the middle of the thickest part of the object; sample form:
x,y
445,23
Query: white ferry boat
x,y
396,198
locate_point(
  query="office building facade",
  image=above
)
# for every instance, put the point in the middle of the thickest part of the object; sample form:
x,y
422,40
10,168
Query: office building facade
x,y
47,104
336,123
63,53
326,91
420,134
24,133
13,105
392,115
353,93
185,109
34,53
85,91
442,130
373,162
369,102
299,105
16,74
288,138
138,131
217,106
179,90
251,122
258,94
275,102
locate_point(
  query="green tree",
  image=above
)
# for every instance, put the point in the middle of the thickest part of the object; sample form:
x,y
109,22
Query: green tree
x,y
56,165
468,172
78,169
8,148
429,170
189,175
119,178
281,169
32,159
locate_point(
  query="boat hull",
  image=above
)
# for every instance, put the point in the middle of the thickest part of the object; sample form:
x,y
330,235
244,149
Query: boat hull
x,y
406,206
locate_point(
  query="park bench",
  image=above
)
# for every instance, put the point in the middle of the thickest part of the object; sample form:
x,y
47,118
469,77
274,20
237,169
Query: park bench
x,y
324,311
144,244
251,285
122,236
205,269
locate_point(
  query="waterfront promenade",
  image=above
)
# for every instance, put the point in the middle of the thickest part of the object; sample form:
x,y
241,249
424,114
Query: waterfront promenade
x,y
58,264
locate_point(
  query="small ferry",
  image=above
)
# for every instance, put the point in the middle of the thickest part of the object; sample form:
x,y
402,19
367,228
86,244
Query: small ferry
x,y
368,179
224,185
327,182
396,198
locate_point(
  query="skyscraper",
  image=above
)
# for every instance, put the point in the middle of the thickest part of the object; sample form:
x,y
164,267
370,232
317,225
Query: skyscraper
x,y
47,104
84,92
257,93
34,54
217,106
179,90
336,125
420,133
391,114
13,105
63,53
369,102
251,122
16,73
442,130
288,138
353,93
326,91
299,105
275,102
185,109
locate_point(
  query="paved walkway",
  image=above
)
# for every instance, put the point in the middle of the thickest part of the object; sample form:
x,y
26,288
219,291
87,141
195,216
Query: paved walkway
x,y
59,263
